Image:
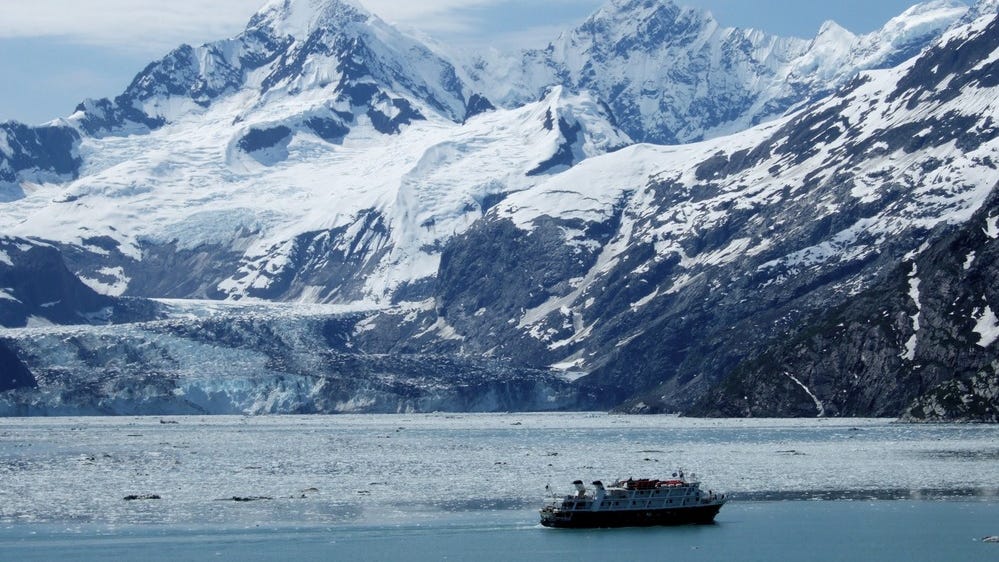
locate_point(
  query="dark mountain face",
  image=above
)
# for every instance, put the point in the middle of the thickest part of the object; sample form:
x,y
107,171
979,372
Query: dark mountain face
x,y
35,284
13,374
922,325
36,281
47,152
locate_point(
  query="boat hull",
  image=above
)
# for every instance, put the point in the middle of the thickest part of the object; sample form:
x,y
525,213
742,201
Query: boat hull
x,y
696,515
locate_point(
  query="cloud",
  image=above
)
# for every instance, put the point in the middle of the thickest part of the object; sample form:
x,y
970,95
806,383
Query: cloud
x,y
128,25
432,15
154,26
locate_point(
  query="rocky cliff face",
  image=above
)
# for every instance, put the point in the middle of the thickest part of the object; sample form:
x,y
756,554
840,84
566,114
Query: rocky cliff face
x,y
974,399
36,154
36,288
13,374
920,334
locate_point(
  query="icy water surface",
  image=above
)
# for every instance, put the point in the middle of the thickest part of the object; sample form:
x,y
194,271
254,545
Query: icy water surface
x,y
438,486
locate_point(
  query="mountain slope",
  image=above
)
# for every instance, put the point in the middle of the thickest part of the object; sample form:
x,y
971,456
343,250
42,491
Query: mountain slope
x,y
664,268
927,323
184,211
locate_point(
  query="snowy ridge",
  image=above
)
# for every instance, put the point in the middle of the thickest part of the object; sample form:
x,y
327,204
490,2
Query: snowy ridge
x,y
673,74
415,185
296,58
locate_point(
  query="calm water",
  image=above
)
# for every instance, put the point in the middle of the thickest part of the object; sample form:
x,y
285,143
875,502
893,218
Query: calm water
x,y
788,530
466,487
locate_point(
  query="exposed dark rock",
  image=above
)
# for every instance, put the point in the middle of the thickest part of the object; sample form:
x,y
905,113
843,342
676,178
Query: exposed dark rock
x,y
39,284
968,400
13,373
564,156
259,139
864,358
250,498
329,130
46,149
391,125
477,104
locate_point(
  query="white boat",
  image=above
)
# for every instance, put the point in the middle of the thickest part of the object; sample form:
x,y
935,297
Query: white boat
x,y
630,503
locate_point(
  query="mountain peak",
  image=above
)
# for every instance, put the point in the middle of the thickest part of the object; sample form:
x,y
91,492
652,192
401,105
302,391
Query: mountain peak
x,y
299,18
983,8
924,18
644,25
830,31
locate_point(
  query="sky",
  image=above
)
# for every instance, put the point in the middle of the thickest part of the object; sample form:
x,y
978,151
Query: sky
x,y
56,53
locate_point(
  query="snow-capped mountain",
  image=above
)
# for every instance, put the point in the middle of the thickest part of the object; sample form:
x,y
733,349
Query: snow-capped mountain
x,y
320,155
305,219
529,256
320,65
665,268
673,74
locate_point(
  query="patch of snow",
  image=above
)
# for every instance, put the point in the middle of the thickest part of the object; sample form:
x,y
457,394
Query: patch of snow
x,y
644,300
818,403
443,330
38,322
115,288
910,345
969,260
569,369
987,327
992,227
